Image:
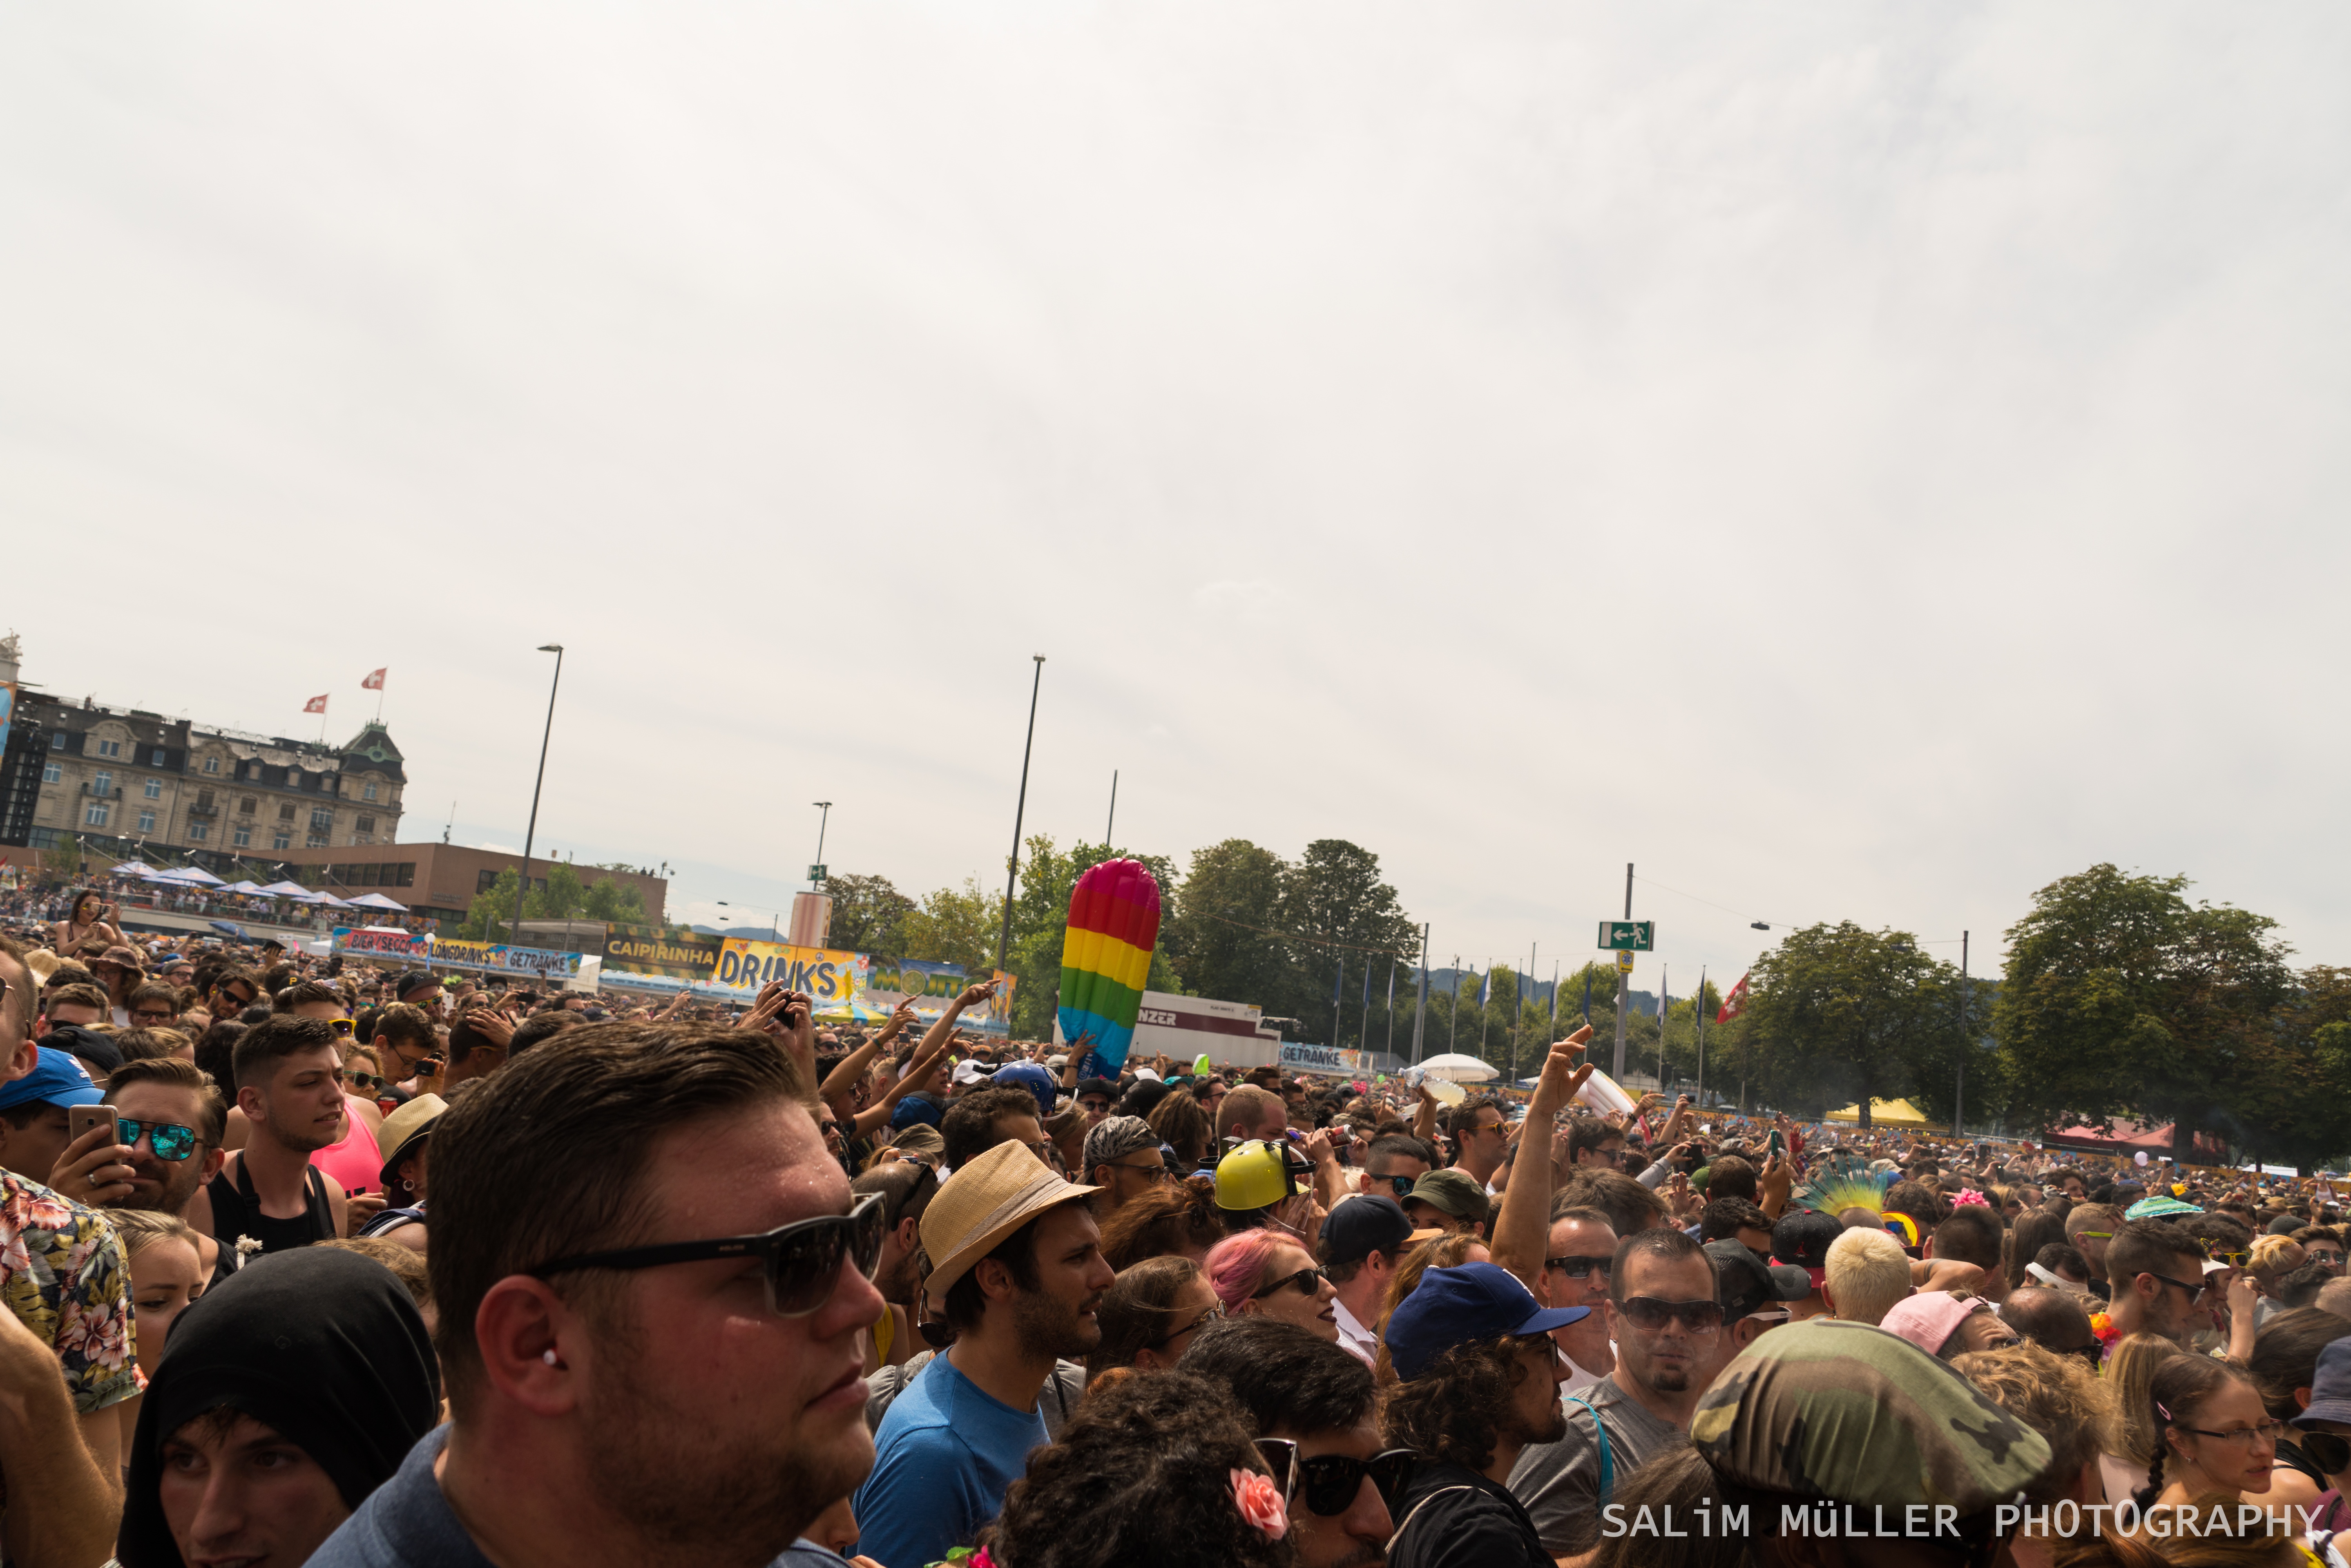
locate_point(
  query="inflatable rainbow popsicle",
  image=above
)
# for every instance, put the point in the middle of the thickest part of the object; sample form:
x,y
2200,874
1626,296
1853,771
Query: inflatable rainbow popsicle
x,y
1106,956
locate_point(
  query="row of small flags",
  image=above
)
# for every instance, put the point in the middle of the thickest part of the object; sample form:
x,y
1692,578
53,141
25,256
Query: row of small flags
x,y
373,682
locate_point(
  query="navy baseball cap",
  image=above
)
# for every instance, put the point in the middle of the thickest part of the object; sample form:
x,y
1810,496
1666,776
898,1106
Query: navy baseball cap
x,y
915,1110
58,1079
1455,1306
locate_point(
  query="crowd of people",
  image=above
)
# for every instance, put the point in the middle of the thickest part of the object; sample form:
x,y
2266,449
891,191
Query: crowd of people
x,y
307,1261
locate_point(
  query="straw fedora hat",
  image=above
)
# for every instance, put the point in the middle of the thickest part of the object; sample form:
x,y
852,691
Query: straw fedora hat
x,y
985,1202
404,1129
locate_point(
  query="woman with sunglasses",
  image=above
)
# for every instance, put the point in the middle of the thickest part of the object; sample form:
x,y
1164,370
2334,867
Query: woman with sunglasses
x,y
1264,1274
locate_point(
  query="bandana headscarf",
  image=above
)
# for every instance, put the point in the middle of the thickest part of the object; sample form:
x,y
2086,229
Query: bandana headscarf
x,y
322,1345
1113,1138
1852,1414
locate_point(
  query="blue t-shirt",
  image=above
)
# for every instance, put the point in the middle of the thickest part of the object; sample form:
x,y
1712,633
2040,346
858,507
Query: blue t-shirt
x,y
945,1455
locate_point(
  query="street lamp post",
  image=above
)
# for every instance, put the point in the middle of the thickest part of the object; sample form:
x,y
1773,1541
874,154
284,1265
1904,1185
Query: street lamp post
x,y
1012,873
531,832
816,875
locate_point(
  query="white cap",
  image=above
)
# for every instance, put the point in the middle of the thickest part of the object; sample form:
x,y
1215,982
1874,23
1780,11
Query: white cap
x,y
1146,1075
970,1072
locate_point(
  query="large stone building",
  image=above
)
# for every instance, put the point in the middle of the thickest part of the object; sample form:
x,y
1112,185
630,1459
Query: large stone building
x,y
126,773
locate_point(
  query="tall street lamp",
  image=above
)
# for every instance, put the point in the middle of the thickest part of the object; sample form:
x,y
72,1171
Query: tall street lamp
x,y
1012,873
816,871
531,832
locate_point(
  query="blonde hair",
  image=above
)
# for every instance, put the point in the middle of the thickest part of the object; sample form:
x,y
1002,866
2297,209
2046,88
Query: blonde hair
x,y
2056,1396
1868,1273
2274,1254
2130,1371
140,1228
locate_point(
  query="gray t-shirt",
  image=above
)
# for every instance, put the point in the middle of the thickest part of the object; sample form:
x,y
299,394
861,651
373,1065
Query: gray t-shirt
x,y
1559,1483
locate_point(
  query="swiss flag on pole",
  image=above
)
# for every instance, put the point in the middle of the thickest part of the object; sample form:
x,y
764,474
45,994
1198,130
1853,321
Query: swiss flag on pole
x,y
315,705
374,683
1735,1003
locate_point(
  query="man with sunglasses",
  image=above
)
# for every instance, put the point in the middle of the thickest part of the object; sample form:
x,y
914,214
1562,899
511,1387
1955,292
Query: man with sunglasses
x,y
906,1189
2156,1274
1316,1413
234,990
650,1344
1394,1164
1667,1318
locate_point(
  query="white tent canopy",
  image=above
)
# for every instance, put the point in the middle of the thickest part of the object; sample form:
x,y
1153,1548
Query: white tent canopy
x,y
377,900
285,890
192,875
1459,1067
245,886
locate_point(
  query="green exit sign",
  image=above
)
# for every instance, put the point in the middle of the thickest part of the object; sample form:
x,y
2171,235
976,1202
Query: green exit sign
x,y
1633,935
816,874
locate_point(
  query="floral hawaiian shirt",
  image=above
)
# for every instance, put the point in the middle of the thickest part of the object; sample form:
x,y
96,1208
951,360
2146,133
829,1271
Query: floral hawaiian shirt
x,y
63,1274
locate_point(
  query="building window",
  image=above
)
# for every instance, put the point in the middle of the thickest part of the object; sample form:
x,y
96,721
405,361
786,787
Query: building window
x,y
56,740
315,841
368,793
103,784
243,837
154,789
365,825
282,839
156,759
46,838
245,806
362,837
96,816
292,778
109,749
203,799
200,831
212,764
285,814
51,773
146,822
322,821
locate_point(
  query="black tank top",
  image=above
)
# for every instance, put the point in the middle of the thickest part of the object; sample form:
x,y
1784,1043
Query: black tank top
x,y
237,1212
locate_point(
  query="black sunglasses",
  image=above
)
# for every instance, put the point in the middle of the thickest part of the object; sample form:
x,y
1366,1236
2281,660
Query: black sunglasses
x,y
1650,1314
1305,1279
1402,1184
1330,1483
803,1258
1578,1266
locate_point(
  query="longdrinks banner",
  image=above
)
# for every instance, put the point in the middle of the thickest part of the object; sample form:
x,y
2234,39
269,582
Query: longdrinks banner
x,y
500,959
828,976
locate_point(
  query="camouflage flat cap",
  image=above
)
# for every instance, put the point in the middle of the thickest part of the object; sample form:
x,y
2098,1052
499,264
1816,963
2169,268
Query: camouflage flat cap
x,y
1840,1410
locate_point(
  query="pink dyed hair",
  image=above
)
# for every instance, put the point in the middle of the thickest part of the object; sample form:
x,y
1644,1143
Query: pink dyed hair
x,y
1236,1266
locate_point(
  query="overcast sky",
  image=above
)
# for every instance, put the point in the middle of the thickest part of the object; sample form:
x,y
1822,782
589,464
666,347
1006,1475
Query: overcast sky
x,y
1855,461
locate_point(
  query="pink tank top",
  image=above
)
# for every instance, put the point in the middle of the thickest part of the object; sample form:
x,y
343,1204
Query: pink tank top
x,y
353,1160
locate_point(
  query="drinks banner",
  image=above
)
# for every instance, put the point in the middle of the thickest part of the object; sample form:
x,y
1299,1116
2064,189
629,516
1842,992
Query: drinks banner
x,y
387,944
831,978
1327,1060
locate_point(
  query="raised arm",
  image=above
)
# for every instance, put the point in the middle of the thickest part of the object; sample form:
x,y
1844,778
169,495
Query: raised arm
x,y
1523,1227
841,1082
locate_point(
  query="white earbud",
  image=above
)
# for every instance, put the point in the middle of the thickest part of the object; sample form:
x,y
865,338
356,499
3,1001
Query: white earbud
x,y
548,1357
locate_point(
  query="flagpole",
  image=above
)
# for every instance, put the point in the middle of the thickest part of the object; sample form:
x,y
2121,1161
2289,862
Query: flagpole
x,y
1390,1047
1366,1025
1420,1008
1700,1015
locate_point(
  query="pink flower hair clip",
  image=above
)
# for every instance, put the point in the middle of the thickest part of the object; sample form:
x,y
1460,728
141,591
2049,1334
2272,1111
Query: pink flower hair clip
x,y
1969,1195
1259,1501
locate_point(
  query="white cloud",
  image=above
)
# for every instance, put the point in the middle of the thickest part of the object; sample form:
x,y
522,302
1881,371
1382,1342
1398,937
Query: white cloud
x,y
1864,462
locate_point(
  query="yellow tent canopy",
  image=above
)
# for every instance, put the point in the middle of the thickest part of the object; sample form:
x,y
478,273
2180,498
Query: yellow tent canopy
x,y
1886,1114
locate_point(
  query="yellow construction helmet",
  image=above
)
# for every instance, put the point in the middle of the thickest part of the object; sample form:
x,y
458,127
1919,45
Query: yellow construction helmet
x,y
1259,1175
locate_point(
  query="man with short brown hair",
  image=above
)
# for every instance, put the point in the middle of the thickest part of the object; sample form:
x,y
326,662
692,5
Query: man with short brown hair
x,y
679,1195
83,1005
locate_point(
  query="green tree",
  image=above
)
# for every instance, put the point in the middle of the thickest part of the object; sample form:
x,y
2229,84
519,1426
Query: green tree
x,y
614,903
1334,906
1838,1013
868,916
955,925
2121,997
1217,933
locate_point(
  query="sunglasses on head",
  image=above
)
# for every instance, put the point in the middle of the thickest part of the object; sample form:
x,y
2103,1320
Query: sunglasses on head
x,y
1649,1314
1330,1483
172,1140
803,1259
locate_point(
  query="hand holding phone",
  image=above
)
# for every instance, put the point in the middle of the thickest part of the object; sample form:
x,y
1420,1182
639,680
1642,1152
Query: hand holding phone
x,y
90,1169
